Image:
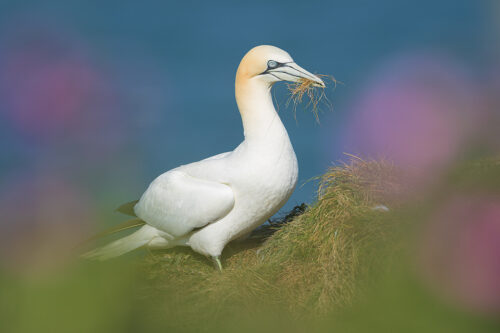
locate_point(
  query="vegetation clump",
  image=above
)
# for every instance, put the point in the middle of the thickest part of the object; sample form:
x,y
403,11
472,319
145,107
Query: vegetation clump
x,y
307,264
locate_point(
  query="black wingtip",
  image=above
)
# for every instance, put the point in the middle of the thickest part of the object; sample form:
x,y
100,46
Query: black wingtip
x,y
128,208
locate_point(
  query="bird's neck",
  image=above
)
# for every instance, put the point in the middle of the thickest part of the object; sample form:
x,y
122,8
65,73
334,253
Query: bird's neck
x,y
259,117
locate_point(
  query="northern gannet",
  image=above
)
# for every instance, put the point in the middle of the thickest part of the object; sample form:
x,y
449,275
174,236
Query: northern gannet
x,y
209,203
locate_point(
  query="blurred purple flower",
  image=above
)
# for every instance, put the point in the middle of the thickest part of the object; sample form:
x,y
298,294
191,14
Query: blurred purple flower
x,y
460,252
45,85
416,112
64,111
62,102
490,132
43,218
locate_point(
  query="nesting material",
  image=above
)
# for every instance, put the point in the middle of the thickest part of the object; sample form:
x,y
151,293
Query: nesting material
x,y
316,95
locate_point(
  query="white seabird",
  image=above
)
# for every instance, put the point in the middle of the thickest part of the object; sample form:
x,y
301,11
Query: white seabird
x,y
209,203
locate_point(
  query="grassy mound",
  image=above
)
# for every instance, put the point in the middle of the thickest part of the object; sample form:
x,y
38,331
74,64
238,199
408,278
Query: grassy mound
x,y
338,265
306,266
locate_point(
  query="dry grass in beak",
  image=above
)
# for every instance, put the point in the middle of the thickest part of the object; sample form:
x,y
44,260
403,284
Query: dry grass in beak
x,y
314,93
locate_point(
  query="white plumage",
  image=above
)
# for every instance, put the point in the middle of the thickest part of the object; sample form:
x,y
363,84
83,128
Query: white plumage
x,y
207,204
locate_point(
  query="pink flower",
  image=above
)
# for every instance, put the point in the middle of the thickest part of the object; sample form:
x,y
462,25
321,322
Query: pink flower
x,y
460,253
417,112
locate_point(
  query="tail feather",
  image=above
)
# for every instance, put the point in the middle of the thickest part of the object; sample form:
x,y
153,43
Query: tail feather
x,y
128,208
133,223
123,245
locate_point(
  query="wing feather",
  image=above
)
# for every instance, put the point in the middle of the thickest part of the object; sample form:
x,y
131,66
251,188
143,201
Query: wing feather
x,y
177,203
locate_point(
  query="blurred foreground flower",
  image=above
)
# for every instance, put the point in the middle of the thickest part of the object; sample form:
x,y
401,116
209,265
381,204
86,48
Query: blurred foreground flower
x,y
460,253
43,218
46,83
418,113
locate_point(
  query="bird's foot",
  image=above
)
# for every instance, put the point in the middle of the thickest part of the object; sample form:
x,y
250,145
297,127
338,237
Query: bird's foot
x,y
217,263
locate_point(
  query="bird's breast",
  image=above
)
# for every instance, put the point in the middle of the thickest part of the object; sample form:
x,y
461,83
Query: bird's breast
x,y
262,179
267,179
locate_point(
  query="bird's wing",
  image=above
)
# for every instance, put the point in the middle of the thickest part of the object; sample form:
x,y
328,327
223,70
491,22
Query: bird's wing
x,y
177,202
128,207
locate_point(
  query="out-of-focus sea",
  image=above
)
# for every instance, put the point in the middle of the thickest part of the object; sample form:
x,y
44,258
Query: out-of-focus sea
x,y
97,98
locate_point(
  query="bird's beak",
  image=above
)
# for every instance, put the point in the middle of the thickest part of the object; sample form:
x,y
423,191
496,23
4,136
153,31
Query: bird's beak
x,y
292,72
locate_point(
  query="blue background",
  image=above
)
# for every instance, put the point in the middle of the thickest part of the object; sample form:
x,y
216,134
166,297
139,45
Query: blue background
x,y
170,67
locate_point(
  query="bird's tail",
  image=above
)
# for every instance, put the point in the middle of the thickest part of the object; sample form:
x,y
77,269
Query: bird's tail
x,y
141,237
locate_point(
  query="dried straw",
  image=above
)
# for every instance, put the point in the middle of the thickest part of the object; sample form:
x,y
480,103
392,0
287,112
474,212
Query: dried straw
x,y
307,87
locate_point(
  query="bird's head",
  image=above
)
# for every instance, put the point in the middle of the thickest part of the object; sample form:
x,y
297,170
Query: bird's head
x,y
270,64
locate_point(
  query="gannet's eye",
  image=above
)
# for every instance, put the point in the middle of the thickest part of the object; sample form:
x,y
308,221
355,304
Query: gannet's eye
x,y
272,64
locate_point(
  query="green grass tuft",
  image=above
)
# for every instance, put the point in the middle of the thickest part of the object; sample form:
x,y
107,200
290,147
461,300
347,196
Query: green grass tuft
x,y
307,266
